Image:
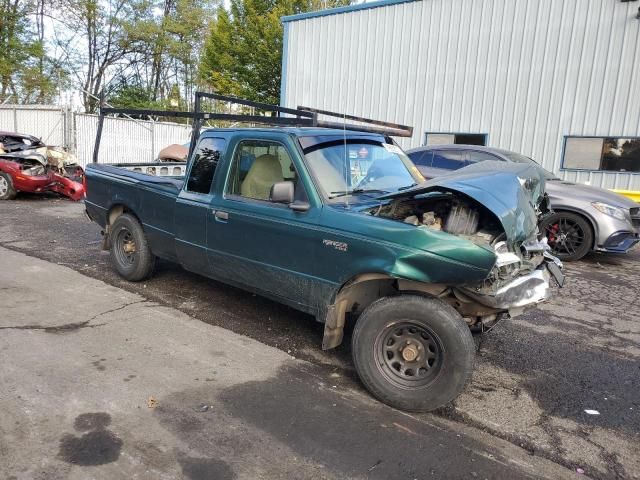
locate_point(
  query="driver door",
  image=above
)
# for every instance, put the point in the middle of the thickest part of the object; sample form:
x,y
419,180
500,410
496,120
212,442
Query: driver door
x,y
265,246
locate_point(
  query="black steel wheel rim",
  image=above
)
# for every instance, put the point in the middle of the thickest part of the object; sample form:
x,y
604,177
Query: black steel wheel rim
x,y
125,247
565,236
409,354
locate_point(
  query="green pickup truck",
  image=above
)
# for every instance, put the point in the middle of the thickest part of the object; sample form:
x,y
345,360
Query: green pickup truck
x,y
340,224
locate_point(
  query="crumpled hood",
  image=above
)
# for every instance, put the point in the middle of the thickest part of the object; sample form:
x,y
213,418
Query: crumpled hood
x,y
511,191
54,156
564,190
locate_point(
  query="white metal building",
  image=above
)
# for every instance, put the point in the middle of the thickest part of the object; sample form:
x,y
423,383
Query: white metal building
x,y
557,80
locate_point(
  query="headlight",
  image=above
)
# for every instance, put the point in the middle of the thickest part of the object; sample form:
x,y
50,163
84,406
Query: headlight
x,y
610,210
504,256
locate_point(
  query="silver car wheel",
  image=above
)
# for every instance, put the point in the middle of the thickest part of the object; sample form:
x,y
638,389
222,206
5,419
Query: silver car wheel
x,y
4,186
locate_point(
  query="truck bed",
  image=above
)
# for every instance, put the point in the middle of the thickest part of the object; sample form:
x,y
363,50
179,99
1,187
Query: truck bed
x,y
127,174
152,198
160,169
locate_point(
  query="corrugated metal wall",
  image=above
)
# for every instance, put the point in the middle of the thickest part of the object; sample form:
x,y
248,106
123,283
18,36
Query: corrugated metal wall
x,y
525,72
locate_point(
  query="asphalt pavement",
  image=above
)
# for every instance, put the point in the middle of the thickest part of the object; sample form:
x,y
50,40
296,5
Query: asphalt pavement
x,y
102,383
535,376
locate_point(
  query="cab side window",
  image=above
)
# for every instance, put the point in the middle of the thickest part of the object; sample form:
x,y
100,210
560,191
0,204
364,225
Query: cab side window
x,y
257,165
205,160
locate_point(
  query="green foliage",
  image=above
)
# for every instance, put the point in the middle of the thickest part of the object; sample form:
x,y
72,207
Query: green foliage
x,y
27,73
167,38
242,54
144,53
137,96
131,96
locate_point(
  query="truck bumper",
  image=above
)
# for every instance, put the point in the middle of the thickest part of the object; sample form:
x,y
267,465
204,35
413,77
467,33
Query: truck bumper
x,y
526,291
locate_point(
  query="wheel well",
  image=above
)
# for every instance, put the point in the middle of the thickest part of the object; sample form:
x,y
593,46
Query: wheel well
x,y
114,212
589,221
119,209
361,291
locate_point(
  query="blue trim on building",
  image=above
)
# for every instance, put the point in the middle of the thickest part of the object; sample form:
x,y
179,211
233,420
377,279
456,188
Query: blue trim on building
x,y
283,72
348,8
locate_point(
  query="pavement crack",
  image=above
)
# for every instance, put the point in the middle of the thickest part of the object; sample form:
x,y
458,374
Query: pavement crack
x,y
9,242
72,327
67,327
116,309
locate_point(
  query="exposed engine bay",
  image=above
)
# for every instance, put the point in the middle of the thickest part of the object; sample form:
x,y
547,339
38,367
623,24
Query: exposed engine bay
x,y
448,213
519,277
34,167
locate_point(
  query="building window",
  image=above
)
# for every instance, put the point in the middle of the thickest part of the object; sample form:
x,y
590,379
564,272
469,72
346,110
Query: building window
x,y
614,154
437,138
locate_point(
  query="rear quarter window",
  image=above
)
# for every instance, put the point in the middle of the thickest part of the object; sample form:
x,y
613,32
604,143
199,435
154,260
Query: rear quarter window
x,y
205,160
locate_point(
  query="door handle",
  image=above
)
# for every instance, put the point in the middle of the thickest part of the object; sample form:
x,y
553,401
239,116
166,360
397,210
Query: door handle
x,y
220,215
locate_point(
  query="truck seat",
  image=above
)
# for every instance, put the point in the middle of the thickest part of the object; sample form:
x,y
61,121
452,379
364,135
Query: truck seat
x,y
264,172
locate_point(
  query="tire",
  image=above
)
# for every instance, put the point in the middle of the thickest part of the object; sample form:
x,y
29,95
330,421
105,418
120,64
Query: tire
x,y
570,236
130,253
433,331
7,191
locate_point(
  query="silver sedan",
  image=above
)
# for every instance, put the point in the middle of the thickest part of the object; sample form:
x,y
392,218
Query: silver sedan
x,y
585,218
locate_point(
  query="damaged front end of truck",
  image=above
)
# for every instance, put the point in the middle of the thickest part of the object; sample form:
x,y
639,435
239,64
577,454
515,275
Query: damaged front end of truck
x,y
474,244
495,206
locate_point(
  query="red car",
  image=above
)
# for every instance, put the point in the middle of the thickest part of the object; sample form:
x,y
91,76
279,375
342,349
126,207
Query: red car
x,y
28,165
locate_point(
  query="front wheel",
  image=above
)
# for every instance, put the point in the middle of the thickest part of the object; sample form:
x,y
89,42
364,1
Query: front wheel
x,y
7,191
130,252
411,352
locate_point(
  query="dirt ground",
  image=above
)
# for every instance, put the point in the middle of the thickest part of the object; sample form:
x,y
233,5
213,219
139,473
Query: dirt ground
x,y
535,378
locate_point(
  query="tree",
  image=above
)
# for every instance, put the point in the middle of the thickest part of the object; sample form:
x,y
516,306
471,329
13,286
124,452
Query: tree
x,y
242,54
166,40
96,42
27,73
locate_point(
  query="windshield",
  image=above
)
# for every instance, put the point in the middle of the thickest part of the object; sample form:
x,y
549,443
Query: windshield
x,y
517,158
361,168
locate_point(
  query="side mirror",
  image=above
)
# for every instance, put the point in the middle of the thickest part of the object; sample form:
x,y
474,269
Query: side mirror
x,y
282,192
299,206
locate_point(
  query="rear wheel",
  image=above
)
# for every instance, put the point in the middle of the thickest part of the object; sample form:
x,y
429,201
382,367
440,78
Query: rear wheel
x,y
569,235
7,191
413,353
130,252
